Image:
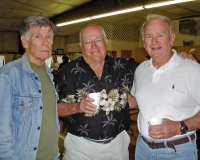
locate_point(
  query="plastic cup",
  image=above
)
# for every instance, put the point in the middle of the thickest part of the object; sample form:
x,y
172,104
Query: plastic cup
x,y
154,121
96,97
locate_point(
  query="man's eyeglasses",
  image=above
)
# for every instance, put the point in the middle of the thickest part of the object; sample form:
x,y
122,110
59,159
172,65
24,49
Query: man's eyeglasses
x,y
90,42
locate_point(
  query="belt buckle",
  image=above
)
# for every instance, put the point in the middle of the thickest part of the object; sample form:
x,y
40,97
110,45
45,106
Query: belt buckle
x,y
154,142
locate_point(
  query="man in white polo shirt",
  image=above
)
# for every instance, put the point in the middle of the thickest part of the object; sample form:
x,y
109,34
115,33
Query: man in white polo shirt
x,y
166,86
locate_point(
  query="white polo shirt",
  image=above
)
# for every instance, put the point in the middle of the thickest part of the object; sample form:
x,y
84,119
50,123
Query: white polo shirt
x,y
172,91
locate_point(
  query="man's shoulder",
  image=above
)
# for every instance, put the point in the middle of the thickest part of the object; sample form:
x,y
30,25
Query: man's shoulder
x,y
122,60
75,62
10,66
70,65
143,65
189,63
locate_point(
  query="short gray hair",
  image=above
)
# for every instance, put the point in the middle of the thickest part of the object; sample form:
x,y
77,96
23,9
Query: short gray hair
x,y
102,31
31,21
151,17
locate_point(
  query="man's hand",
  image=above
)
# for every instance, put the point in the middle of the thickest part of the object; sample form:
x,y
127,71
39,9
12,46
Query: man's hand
x,y
85,105
168,129
188,56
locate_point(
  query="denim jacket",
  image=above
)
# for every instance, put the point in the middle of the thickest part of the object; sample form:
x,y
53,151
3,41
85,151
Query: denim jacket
x,y
20,110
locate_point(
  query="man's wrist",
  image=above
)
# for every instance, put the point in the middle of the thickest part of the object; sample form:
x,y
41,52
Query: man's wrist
x,y
77,108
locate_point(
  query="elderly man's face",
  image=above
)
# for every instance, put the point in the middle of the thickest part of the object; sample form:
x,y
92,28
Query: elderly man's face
x,y
93,45
39,44
157,40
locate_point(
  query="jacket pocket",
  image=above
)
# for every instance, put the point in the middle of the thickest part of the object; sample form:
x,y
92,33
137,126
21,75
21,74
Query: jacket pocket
x,y
23,106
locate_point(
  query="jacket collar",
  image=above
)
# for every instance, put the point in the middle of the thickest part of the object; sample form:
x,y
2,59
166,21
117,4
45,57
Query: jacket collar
x,y
26,65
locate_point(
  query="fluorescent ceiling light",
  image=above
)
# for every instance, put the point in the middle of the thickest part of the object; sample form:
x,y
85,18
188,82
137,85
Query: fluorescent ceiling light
x,y
166,3
122,11
117,12
74,21
100,16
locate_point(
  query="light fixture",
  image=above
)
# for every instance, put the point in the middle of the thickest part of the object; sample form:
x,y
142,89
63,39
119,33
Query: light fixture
x,y
100,16
74,21
122,11
117,12
166,3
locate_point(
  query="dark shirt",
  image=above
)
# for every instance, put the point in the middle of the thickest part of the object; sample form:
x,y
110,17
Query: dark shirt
x,y
77,79
62,64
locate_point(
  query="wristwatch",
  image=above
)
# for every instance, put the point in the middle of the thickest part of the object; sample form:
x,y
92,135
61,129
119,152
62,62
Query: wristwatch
x,y
184,128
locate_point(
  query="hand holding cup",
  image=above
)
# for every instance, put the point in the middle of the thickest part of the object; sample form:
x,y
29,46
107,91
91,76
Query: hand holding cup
x,y
96,97
155,121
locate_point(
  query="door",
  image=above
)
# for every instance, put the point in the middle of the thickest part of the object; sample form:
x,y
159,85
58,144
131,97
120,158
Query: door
x,y
127,54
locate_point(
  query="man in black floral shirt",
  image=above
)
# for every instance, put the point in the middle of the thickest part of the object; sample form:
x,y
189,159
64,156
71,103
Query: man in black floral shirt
x,y
95,134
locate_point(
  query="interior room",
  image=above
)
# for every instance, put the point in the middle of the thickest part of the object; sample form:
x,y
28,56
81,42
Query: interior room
x,y
122,29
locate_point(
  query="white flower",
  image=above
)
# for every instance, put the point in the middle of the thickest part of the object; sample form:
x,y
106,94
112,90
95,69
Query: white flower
x,y
123,96
109,106
114,95
69,99
102,102
122,102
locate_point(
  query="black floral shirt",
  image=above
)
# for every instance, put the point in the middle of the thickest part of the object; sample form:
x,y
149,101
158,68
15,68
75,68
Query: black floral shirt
x,y
77,79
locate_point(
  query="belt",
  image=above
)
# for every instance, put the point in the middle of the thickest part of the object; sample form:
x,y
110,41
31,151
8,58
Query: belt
x,y
103,141
170,144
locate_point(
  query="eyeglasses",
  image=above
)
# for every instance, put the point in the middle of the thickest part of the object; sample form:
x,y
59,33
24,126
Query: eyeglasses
x,y
90,42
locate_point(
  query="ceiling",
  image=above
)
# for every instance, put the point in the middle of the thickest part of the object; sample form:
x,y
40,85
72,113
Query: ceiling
x,y
12,12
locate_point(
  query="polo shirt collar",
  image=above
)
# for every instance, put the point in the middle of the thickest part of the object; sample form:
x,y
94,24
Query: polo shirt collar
x,y
173,62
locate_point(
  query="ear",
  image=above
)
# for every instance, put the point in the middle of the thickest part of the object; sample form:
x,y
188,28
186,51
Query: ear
x,y
80,44
24,42
144,45
106,41
172,39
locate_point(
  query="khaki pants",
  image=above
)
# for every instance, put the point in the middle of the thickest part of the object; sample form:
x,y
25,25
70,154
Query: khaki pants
x,y
78,148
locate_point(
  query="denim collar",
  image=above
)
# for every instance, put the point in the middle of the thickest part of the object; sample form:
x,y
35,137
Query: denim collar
x,y
26,65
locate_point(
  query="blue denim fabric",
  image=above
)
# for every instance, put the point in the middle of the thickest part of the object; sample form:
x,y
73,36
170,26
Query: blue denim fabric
x,y
186,151
20,110
57,156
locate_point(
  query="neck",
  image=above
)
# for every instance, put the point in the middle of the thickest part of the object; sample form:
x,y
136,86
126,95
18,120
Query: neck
x,y
161,61
98,69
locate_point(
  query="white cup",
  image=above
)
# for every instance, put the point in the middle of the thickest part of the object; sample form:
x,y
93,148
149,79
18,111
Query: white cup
x,y
154,121
96,97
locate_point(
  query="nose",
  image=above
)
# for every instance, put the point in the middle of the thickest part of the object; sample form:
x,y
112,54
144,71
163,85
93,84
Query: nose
x,y
45,40
93,43
154,40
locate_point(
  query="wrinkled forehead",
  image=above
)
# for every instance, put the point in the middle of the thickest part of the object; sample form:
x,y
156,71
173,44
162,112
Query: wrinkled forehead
x,y
38,29
155,23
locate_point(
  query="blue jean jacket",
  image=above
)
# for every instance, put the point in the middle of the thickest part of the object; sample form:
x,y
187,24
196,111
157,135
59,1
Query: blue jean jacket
x,y
20,110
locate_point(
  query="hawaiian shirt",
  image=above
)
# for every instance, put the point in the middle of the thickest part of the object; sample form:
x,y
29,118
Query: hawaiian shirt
x,y
77,79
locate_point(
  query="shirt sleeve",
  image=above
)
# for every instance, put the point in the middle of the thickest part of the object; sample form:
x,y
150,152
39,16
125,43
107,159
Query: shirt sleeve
x,y
133,90
61,84
195,87
7,151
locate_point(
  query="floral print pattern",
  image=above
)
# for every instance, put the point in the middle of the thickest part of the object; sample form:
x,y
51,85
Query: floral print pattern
x,y
77,79
111,101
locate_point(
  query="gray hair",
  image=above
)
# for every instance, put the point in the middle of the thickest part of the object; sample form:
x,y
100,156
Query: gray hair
x,y
102,31
31,21
151,17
